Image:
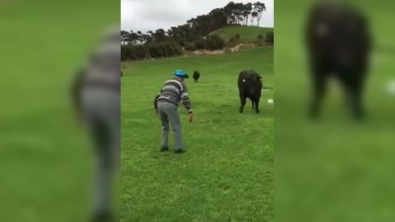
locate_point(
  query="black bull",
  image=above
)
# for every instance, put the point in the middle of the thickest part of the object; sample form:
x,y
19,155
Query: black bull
x,y
250,86
338,45
196,76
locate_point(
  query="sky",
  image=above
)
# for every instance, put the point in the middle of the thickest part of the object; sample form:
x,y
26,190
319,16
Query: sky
x,y
145,15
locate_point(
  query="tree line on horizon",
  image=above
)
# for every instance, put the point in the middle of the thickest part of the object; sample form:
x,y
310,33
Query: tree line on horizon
x,y
193,35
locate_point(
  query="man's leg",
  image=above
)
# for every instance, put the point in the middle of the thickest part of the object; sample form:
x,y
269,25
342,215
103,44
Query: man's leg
x,y
102,174
174,118
102,115
165,128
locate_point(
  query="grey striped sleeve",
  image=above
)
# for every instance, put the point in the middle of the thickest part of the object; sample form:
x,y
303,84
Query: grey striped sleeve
x,y
156,99
185,98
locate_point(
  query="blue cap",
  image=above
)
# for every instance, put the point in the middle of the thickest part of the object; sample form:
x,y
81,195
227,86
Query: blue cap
x,y
181,73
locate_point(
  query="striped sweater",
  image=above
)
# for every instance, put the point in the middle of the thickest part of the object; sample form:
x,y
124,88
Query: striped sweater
x,y
174,91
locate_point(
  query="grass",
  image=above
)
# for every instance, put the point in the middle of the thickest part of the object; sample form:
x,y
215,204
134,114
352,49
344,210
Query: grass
x,y
44,160
333,169
247,33
227,173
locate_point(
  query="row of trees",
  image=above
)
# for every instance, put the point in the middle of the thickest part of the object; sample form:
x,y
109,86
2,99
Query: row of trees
x,y
239,13
195,34
171,48
231,14
153,50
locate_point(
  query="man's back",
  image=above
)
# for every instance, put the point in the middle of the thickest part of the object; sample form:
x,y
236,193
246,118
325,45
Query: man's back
x,y
174,91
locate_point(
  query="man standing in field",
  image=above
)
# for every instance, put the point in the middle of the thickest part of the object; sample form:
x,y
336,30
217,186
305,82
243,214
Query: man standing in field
x,y
96,99
166,105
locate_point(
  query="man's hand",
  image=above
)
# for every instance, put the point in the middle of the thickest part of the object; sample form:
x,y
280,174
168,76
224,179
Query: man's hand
x,y
190,117
156,111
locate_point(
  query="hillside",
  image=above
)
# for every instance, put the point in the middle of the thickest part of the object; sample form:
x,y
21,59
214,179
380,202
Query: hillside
x,y
247,33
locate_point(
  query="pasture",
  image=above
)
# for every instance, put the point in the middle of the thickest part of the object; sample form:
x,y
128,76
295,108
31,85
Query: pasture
x,y
227,173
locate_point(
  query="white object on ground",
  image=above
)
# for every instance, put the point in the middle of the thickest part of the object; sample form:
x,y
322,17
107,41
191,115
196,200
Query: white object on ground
x,y
271,101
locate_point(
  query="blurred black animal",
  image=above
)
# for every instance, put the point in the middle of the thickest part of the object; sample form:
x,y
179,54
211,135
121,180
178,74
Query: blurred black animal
x,y
250,86
196,76
338,44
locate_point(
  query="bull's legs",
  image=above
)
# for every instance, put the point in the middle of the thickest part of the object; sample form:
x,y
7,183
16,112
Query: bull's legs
x,y
319,79
356,103
242,102
353,91
257,106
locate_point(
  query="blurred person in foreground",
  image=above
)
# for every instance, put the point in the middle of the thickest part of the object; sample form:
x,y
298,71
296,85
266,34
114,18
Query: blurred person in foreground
x,y
96,99
339,45
166,105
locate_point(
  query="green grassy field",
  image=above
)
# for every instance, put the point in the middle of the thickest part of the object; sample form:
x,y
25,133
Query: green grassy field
x,y
227,173
247,33
44,159
333,169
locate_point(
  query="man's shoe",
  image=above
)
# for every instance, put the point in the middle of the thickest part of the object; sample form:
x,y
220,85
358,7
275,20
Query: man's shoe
x,y
163,149
179,151
101,217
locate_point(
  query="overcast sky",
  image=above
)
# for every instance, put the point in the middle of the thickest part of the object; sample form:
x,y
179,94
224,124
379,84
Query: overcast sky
x,y
145,15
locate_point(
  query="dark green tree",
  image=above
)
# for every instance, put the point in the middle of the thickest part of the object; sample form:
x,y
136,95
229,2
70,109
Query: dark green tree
x,y
258,8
